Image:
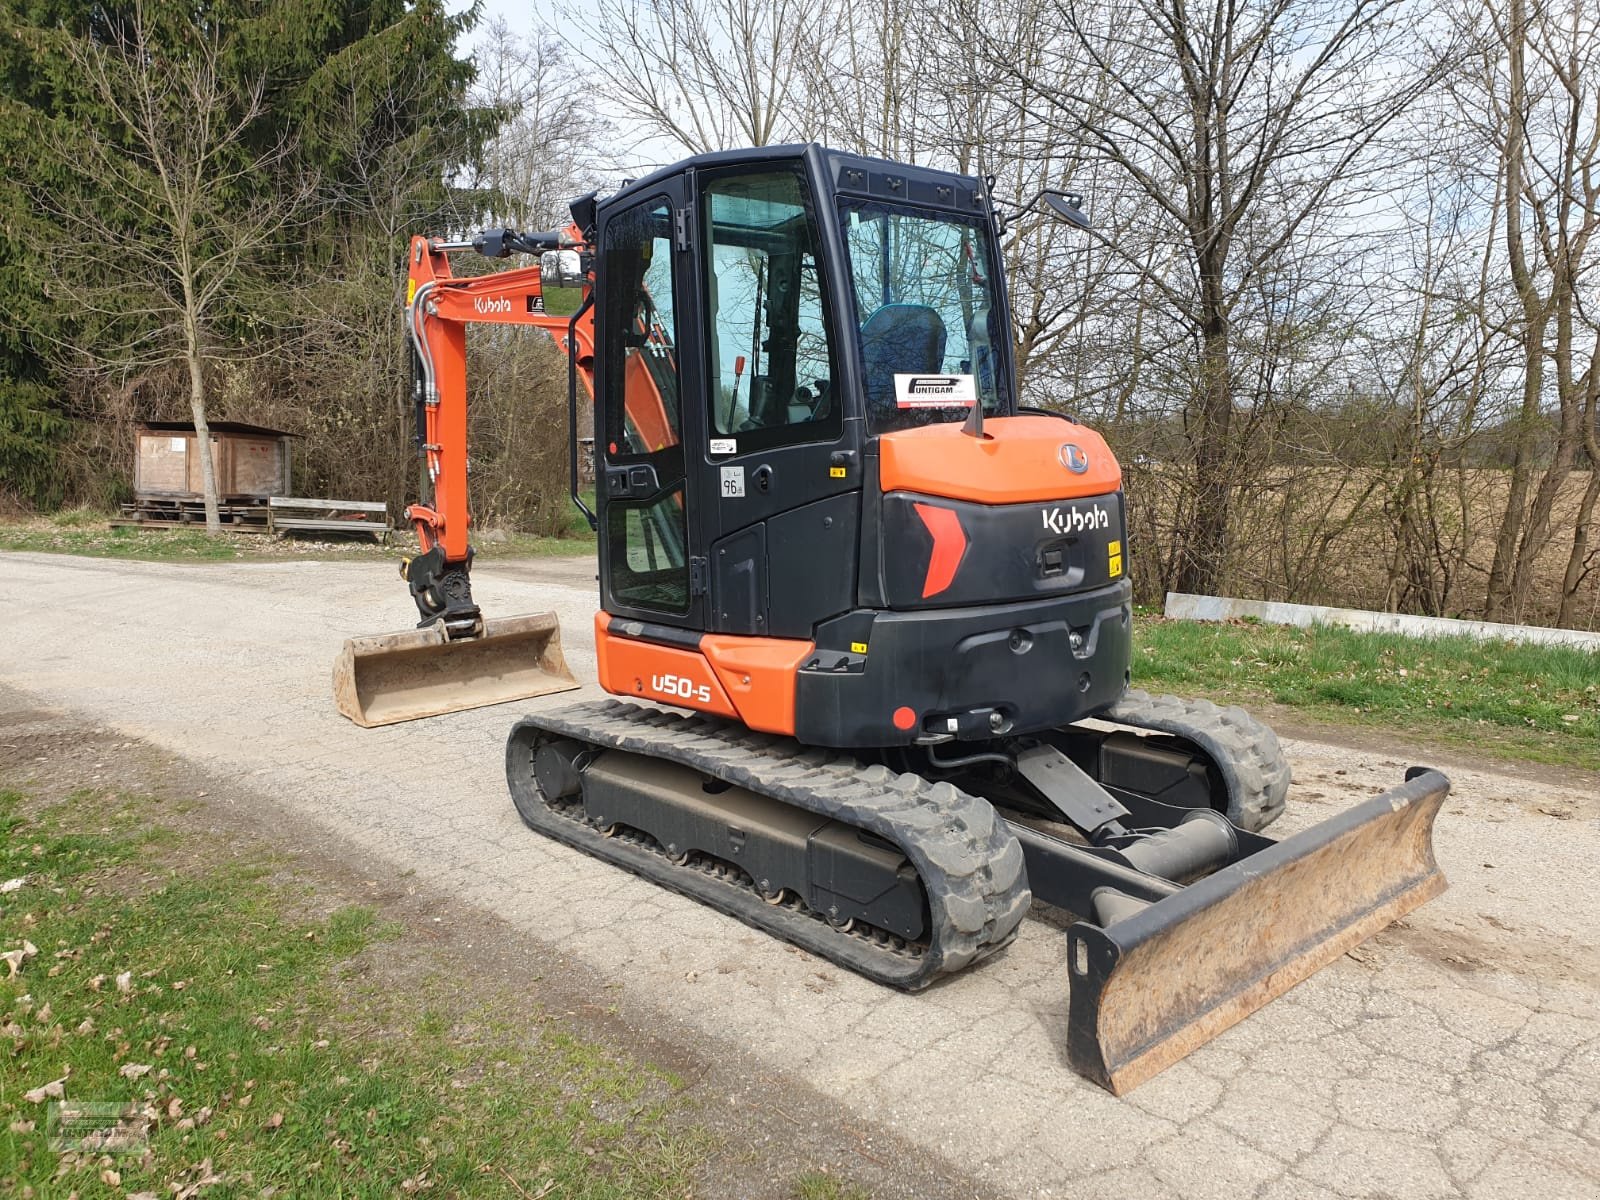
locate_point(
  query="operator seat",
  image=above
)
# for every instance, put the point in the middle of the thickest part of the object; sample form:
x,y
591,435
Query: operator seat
x,y
899,339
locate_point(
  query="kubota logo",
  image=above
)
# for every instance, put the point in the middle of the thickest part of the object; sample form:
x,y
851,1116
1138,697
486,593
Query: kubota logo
x,y
489,305
1075,520
1073,458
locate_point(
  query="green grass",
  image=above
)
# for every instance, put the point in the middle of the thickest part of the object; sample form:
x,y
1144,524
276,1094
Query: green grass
x,y
814,1185
237,1019
1538,703
80,532
176,545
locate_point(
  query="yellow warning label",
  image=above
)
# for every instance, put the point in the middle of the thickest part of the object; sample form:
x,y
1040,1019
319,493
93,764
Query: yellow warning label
x,y
858,647
836,472
411,290
1116,565
1114,549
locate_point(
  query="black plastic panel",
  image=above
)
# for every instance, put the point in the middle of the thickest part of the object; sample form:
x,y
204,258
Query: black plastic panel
x,y
739,582
1037,665
811,573
1011,551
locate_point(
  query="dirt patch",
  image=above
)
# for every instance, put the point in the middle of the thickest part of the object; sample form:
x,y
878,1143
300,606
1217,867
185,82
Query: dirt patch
x,y
765,1130
1496,947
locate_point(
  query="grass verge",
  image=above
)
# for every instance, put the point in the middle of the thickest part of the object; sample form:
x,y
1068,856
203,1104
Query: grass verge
x,y
187,1029
90,535
1506,701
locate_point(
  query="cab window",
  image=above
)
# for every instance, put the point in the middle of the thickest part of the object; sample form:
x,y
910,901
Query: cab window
x,y
771,363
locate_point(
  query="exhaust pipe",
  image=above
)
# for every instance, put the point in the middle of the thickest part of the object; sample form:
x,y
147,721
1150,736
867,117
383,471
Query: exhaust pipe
x,y
1168,973
419,673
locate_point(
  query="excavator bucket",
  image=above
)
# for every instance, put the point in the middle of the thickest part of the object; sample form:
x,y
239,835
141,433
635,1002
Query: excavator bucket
x,y
1162,978
422,673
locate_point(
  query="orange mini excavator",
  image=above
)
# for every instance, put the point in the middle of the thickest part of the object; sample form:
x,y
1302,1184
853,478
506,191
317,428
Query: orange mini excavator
x,y
893,597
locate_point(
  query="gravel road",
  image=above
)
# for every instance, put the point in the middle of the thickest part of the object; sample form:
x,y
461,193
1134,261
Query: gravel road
x,y
1456,1054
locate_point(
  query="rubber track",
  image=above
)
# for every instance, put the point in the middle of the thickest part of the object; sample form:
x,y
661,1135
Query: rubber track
x,y
968,860
1245,751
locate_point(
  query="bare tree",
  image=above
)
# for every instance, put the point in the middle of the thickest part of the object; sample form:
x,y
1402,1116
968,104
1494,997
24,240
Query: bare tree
x,y
1539,96
712,74
160,264
1242,129
553,144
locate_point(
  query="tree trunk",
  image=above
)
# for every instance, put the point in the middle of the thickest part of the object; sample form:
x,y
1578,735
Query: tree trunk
x,y
1497,604
202,430
1576,564
1204,564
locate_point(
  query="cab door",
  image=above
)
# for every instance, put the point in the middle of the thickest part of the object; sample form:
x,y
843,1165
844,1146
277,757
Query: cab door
x,y
651,566
780,456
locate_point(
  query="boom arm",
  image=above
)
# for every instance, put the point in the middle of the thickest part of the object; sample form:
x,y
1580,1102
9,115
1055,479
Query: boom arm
x,y
438,310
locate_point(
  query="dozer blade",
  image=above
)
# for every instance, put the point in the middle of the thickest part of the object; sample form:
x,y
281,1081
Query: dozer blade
x,y
1151,986
422,673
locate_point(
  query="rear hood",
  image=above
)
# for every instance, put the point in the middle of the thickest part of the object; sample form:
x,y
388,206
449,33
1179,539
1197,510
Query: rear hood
x,y
1018,459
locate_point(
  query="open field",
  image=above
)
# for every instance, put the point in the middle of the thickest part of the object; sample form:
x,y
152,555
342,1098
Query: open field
x,y
1326,535
1452,1055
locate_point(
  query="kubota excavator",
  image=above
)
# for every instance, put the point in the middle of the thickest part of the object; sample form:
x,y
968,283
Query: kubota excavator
x,y
894,598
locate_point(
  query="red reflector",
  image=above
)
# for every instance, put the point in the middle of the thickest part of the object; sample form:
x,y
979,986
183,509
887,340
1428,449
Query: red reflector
x,y
611,448
904,718
949,545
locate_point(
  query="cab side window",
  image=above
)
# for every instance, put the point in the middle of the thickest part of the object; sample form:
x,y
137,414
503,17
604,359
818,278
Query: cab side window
x,y
771,363
646,538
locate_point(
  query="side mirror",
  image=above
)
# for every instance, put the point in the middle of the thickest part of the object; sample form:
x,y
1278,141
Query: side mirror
x,y
1067,205
562,268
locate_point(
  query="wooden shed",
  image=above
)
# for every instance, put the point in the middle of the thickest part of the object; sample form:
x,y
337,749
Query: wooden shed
x,y
251,462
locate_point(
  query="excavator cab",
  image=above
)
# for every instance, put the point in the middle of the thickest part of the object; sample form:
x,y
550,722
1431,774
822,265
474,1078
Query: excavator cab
x,y
794,346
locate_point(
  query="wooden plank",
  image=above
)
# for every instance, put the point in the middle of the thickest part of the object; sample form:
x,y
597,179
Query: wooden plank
x,y
282,525
370,506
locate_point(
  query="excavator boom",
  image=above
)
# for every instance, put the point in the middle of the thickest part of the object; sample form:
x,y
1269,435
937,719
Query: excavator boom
x,y
457,658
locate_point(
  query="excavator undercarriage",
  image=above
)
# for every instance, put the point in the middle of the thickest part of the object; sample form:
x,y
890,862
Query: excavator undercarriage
x,y
905,876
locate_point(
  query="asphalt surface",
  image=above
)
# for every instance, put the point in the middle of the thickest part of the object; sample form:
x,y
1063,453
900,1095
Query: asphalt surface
x,y
1457,1054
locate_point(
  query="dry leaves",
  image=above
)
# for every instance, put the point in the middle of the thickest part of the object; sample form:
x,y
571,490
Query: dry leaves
x,y
15,958
56,1089
134,1070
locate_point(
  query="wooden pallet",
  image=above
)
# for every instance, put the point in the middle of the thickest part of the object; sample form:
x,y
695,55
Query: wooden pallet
x,y
242,514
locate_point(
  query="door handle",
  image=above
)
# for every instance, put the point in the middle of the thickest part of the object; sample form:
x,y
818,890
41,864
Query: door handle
x,y
762,478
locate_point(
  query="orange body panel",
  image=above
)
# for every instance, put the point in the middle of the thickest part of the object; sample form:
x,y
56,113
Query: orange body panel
x,y
751,679
662,674
759,675
1018,460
